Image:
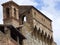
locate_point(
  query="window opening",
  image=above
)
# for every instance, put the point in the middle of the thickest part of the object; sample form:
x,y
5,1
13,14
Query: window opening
x,y
23,19
14,12
7,12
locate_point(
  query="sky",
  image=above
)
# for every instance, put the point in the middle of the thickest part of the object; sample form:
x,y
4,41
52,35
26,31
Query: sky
x,y
51,8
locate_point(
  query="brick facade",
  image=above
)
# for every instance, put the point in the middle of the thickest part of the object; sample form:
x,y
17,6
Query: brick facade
x,y
25,25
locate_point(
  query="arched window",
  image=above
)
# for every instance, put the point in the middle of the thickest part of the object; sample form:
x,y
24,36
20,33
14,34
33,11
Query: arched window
x,y
14,12
23,19
7,12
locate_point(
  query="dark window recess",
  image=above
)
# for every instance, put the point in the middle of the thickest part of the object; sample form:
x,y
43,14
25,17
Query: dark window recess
x,y
13,35
28,11
14,12
2,29
23,19
20,41
7,12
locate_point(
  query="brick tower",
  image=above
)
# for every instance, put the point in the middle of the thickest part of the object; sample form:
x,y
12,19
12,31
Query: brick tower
x,y
11,13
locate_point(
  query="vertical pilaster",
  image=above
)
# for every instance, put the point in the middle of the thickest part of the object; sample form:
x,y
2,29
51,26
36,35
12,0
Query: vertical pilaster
x,y
17,40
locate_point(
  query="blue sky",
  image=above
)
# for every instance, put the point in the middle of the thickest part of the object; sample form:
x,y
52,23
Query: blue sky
x,y
51,8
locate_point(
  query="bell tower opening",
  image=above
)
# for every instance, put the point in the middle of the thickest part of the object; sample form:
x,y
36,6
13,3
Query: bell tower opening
x,y
7,12
14,12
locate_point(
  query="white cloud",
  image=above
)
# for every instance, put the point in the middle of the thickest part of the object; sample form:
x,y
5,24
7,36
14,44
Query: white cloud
x,y
1,17
26,2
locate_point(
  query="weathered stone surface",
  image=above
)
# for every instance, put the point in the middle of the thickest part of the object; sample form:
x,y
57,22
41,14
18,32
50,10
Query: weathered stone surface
x,y
36,29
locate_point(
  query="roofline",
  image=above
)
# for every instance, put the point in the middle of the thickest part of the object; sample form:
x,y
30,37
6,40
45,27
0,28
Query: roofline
x,y
10,3
41,13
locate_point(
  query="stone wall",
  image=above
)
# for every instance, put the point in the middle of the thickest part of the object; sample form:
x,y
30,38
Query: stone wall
x,y
5,40
42,19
